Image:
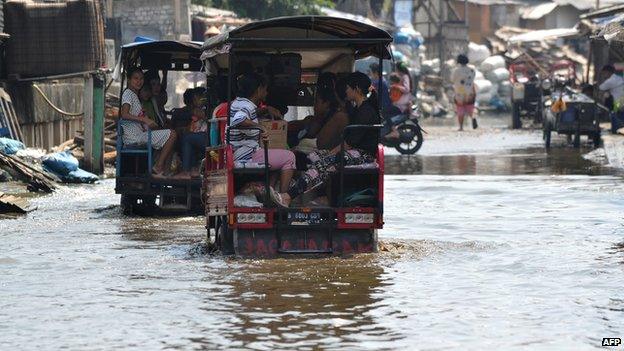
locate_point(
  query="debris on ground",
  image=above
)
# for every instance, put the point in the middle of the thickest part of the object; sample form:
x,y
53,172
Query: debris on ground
x,y
10,146
37,179
111,116
13,204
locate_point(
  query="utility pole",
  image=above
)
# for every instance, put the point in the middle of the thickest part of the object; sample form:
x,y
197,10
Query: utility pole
x,y
93,105
597,4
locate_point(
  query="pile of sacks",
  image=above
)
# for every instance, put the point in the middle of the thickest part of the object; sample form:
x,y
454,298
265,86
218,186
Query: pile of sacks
x,y
430,67
492,77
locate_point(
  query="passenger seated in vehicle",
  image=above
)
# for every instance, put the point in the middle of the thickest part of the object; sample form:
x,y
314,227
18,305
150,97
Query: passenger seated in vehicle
x,y
360,145
145,95
196,139
181,117
135,124
328,129
341,88
159,90
329,119
252,88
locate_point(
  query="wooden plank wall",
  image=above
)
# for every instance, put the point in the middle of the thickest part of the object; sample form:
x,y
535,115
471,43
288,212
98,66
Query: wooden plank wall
x,y
42,126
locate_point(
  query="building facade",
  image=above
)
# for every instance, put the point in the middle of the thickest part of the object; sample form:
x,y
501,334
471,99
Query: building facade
x,y
156,19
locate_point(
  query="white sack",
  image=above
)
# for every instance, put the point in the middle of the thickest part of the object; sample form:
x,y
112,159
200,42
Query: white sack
x,y
484,98
483,86
477,53
504,89
498,75
491,63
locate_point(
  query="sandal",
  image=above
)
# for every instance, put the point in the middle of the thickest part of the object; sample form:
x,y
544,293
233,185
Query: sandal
x,y
277,198
157,174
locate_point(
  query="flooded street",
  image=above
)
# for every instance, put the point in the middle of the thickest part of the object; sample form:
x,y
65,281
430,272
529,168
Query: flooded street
x,y
489,242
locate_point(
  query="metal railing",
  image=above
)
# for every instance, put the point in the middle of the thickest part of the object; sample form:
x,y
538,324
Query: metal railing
x,y
348,129
267,182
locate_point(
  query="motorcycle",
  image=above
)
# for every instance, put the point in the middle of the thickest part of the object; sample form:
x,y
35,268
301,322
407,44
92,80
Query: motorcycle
x,y
410,137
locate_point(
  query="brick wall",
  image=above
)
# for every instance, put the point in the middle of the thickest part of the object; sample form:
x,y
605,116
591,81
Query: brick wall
x,y
158,19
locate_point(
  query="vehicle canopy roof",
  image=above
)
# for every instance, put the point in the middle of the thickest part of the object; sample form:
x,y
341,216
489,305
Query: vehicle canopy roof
x,y
322,41
163,55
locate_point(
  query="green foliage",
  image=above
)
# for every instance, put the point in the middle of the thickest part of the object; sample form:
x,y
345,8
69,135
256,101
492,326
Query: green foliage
x,y
262,9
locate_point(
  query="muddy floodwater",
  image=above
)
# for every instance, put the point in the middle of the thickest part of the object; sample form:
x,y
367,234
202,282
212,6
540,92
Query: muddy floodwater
x,y
507,249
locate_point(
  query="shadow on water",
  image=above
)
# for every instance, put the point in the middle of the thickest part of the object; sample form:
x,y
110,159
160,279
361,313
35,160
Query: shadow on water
x,y
529,161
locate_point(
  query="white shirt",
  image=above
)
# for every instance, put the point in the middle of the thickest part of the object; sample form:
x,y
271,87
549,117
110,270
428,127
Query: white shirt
x,y
244,142
463,78
129,97
615,86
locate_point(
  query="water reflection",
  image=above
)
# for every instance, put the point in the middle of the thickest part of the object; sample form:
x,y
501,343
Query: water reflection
x,y
517,161
470,262
316,303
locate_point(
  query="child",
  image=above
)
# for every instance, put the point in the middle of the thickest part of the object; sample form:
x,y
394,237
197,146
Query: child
x,y
199,121
395,87
252,89
197,138
145,94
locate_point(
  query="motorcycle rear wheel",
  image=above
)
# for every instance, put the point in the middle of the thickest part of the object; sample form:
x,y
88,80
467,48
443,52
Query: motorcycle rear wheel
x,y
411,147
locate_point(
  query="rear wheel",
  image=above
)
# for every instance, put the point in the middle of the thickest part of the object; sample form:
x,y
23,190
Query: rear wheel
x,y
413,139
538,118
596,139
138,205
515,116
128,204
224,238
547,134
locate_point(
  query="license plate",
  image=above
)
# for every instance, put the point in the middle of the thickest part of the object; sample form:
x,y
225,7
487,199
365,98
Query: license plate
x,y
304,218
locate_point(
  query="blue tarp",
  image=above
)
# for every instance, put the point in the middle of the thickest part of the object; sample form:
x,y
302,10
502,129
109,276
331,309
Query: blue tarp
x,y
408,39
10,146
65,166
79,176
60,162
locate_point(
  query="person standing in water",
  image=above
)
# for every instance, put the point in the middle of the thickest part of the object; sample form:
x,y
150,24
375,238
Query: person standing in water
x,y
463,78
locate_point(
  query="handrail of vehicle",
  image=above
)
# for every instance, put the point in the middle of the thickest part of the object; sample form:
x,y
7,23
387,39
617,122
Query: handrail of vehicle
x,y
267,182
347,130
119,147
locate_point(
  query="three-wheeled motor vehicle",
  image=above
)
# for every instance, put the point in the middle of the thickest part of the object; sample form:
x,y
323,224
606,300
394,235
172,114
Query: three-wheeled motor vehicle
x,y
533,85
141,193
573,114
527,93
292,52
